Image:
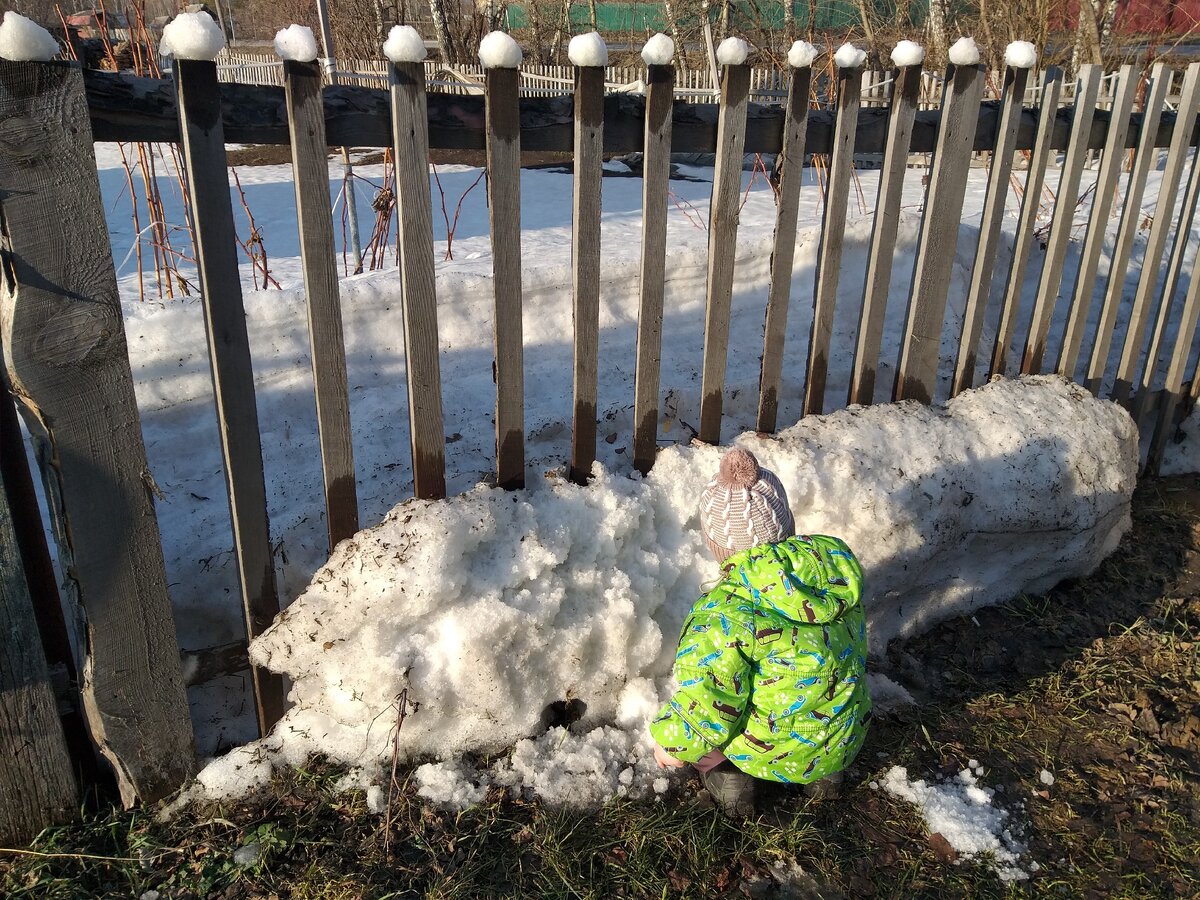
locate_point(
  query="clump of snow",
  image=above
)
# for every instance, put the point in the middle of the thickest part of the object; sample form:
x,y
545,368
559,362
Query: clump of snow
x,y
404,44
886,694
848,56
965,52
24,40
499,51
296,42
588,50
247,854
963,813
1020,55
732,51
192,36
450,784
490,606
1046,777
658,50
801,54
908,53
1181,456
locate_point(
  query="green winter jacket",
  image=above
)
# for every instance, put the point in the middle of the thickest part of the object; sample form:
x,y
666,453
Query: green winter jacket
x,y
772,663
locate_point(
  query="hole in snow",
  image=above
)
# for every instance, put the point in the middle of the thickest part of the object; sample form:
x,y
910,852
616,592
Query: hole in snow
x,y
563,713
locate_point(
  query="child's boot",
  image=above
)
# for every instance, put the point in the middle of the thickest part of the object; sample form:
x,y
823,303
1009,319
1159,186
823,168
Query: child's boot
x,y
732,789
827,788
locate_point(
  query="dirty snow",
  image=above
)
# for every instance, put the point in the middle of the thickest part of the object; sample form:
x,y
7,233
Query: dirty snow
x,y
192,36
24,40
499,51
732,51
296,42
962,811
588,50
658,50
404,44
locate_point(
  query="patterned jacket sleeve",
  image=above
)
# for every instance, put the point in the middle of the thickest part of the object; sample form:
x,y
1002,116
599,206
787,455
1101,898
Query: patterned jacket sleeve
x,y
713,670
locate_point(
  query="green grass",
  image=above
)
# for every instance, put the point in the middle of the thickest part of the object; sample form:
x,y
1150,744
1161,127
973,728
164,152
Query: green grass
x,y
1095,681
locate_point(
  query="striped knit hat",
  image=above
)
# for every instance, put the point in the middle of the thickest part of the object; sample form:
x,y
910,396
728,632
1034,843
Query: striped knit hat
x,y
743,506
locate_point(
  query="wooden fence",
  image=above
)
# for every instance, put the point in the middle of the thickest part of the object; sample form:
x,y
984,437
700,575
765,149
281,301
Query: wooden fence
x,y
66,364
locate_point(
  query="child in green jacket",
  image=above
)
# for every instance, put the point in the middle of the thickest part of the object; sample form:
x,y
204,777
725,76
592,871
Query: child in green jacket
x,y
771,667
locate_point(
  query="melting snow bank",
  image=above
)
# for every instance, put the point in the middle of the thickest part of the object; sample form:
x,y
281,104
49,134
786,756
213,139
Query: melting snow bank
x,y
962,812
487,609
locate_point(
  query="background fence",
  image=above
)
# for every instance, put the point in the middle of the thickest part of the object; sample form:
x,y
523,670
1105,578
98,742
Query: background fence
x,y
67,367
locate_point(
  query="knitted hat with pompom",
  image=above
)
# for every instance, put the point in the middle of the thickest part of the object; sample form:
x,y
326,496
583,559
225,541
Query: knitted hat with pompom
x,y
743,506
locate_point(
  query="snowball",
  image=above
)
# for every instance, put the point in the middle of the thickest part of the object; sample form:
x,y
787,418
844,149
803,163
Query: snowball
x,y
24,40
658,50
588,50
802,54
192,36
848,56
732,51
965,52
908,53
1020,55
296,42
1046,777
404,44
499,51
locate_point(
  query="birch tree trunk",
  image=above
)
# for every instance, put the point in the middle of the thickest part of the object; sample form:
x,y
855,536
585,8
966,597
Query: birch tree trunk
x,y
595,22
441,28
937,28
1087,35
789,20
673,24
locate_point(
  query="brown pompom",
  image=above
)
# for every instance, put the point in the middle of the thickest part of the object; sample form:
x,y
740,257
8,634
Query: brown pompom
x,y
739,468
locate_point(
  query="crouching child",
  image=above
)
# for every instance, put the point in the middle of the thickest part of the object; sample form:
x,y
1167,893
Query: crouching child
x,y
771,666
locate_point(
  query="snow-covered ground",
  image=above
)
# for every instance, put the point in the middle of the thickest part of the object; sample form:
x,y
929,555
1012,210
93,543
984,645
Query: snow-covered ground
x,y
171,370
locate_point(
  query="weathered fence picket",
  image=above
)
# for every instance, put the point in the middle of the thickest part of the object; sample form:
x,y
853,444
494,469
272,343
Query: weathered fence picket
x,y
310,170
722,246
783,253
203,144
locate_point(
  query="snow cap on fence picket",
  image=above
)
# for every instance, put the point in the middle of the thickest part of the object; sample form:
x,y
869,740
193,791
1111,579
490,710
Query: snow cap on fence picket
x,y
848,56
588,50
296,42
192,36
499,51
908,53
965,52
801,54
732,51
404,44
1020,55
24,40
659,50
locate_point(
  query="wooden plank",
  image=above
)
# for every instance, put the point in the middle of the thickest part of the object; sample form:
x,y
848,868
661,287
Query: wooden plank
x,y
414,208
1031,201
656,173
504,214
1131,222
1173,391
67,363
883,236
1179,247
310,171
1063,222
784,251
722,246
990,229
917,372
36,778
1156,243
1103,196
833,231
585,264
207,172
127,108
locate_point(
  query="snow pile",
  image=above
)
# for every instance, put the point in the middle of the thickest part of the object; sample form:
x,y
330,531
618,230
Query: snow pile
x,y
848,56
908,53
965,52
490,608
658,50
732,51
24,40
296,42
801,54
962,812
192,36
886,694
1020,55
499,51
588,50
404,44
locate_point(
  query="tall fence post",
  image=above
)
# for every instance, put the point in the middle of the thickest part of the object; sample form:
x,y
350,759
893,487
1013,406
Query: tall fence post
x,y
66,361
